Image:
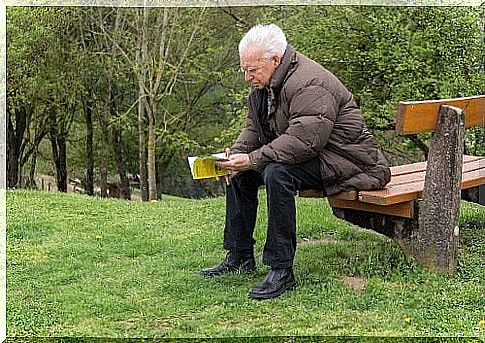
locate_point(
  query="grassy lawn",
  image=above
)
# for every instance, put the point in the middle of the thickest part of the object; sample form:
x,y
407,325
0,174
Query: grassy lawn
x,y
81,266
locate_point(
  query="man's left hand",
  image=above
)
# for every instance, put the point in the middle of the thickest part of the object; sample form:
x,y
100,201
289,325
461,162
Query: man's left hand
x,y
237,162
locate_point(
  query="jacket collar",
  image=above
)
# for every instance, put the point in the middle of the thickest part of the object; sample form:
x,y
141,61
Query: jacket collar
x,y
285,69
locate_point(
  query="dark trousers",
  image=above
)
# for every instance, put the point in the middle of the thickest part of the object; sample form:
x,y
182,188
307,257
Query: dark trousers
x,y
282,181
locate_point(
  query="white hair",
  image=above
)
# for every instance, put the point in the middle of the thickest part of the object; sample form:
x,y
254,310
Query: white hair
x,y
269,38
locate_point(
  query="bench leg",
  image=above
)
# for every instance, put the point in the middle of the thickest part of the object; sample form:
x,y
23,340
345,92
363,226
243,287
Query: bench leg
x,y
426,246
397,228
431,236
436,240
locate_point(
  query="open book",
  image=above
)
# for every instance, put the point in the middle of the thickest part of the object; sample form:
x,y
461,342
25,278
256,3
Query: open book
x,y
204,167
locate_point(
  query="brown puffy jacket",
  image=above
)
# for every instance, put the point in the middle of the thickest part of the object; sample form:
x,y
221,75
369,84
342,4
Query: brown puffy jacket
x,y
312,115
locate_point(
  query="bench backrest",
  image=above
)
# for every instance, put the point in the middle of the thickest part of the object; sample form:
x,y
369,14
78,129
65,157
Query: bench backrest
x,y
421,116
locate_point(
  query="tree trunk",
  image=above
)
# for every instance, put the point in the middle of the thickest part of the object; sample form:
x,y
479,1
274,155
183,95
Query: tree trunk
x,y
142,157
105,142
32,152
58,146
152,180
57,137
62,171
14,142
89,180
12,154
142,106
120,164
33,163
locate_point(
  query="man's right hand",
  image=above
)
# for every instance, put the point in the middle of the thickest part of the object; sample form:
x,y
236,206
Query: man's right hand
x,y
233,172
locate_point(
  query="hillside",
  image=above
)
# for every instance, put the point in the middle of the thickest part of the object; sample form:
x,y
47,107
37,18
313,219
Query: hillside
x,y
84,266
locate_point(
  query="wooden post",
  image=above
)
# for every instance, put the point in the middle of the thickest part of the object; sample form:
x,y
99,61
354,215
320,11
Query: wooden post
x,y
435,241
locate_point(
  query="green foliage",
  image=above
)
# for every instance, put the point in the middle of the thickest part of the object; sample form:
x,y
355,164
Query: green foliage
x,y
60,56
236,108
475,139
176,141
385,55
84,266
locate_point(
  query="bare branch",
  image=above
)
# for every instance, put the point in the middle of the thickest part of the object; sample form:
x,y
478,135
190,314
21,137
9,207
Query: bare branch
x,y
171,84
238,20
121,50
162,53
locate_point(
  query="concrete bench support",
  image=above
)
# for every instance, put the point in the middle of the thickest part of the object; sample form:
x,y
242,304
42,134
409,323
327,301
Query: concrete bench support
x,y
436,239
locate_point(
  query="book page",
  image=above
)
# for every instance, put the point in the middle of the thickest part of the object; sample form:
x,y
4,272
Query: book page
x,y
204,167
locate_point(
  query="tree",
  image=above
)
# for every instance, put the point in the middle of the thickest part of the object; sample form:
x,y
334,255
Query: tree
x,y
108,87
62,74
163,39
387,55
31,39
151,85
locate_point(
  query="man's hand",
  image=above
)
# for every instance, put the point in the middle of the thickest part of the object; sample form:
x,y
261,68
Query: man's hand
x,y
237,162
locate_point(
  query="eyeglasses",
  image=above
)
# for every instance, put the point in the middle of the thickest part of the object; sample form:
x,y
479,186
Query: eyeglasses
x,y
253,70
250,70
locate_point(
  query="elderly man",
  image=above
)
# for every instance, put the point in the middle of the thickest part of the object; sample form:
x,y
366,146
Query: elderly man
x,y
303,131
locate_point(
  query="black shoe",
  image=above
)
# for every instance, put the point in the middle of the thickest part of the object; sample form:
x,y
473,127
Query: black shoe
x,y
274,284
231,263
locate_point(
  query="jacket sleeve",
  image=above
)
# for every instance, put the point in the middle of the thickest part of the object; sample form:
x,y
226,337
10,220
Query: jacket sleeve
x,y
248,139
312,113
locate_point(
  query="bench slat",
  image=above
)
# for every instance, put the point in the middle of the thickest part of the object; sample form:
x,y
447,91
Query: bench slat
x,y
411,191
405,209
406,174
350,195
421,166
419,176
421,116
400,204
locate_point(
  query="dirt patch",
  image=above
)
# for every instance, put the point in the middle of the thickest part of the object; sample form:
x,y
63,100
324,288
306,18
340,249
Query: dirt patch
x,y
354,282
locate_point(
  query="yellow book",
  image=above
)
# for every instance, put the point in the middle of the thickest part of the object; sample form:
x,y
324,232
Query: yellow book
x,y
204,167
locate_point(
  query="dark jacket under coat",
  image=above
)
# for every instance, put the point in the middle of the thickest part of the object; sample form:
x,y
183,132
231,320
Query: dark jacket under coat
x,y
306,113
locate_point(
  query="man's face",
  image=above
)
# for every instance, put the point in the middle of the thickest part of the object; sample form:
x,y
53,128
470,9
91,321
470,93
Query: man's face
x,y
257,70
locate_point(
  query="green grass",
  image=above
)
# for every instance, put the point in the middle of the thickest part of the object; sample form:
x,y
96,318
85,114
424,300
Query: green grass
x,y
81,266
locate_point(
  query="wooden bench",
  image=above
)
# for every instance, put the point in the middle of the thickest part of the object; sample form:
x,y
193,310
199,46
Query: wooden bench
x,y
419,208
